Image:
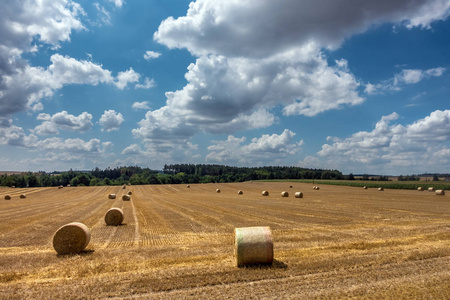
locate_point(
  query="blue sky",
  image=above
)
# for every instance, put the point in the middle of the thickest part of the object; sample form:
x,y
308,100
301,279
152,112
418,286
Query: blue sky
x,y
362,88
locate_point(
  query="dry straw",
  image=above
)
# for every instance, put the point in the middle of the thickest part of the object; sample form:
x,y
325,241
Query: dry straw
x,y
431,189
420,188
114,216
126,198
265,193
253,245
7,197
381,189
71,238
284,194
440,192
23,196
240,192
112,196
298,195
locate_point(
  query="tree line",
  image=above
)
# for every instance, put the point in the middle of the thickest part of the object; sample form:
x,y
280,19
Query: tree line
x,y
171,174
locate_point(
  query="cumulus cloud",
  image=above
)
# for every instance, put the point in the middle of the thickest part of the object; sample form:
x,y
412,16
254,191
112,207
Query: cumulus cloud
x,y
151,55
405,77
260,151
123,78
117,3
264,28
111,120
393,148
63,121
132,150
148,83
15,136
140,105
23,23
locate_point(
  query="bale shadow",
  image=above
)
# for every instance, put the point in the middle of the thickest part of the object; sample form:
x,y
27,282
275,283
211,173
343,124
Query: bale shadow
x,y
82,253
276,264
123,224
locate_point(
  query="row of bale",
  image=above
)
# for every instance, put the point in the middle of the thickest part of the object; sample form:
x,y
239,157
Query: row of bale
x,y
252,245
74,237
266,193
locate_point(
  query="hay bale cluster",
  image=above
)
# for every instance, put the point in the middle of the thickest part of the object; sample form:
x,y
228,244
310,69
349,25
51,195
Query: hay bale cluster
x,y
114,216
253,245
71,238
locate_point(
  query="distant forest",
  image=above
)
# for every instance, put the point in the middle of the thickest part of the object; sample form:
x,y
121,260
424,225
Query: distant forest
x,y
173,174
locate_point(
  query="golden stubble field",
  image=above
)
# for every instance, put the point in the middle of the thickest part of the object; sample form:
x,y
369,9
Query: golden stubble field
x,y
177,242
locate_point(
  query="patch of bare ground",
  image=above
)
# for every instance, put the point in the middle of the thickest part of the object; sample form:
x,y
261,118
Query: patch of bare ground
x,y
335,243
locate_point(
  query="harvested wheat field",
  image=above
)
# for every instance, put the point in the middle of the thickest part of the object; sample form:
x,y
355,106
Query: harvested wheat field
x,y
337,242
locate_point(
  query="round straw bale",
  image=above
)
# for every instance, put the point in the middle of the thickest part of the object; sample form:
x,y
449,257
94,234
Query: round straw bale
x,y
253,245
431,189
71,238
314,187
284,194
365,187
265,193
124,187
317,188
290,186
381,189
130,193
440,192
114,216
126,198
217,190
240,192
23,196
298,195
7,197
60,187
420,188
112,196
188,186
13,186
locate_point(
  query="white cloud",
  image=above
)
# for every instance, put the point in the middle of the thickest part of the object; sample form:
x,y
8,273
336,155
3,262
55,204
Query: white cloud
x,y
148,83
151,55
103,14
123,78
263,28
268,149
140,105
117,3
110,120
15,136
394,148
63,121
132,150
405,77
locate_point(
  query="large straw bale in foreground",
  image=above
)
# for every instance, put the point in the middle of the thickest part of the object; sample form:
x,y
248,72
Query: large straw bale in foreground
x,y
112,196
126,198
253,245
114,216
71,238
298,195
440,192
